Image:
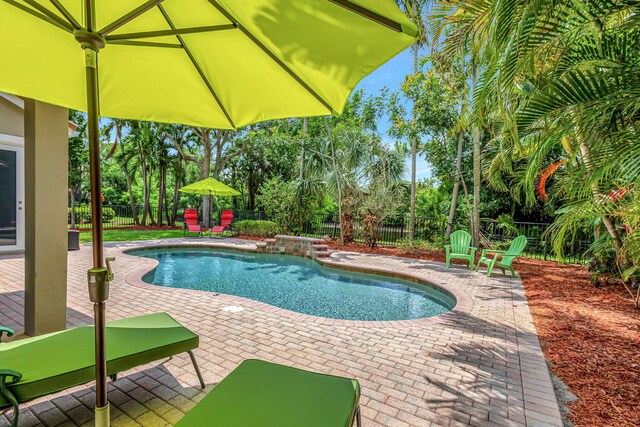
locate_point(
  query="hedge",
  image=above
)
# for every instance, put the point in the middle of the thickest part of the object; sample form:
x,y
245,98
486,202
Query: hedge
x,y
83,214
248,227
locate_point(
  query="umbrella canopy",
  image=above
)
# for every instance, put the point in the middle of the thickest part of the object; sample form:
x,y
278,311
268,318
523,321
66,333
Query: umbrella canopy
x,y
209,187
212,63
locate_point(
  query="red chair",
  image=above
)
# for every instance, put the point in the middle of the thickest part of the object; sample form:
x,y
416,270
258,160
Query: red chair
x,y
191,224
225,223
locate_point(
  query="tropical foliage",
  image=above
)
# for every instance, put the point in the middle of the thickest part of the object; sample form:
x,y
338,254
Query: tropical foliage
x,y
557,97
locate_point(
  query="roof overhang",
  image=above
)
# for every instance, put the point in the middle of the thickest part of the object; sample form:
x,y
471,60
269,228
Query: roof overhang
x,y
19,102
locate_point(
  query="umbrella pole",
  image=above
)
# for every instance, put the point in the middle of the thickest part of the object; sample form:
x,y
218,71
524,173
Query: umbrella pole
x,y
98,284
98,281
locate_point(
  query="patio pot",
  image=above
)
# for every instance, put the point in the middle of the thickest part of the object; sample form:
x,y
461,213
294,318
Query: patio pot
x,y
73,240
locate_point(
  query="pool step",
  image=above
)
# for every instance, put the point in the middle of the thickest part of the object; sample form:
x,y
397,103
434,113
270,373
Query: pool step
x,y
323,254
321,247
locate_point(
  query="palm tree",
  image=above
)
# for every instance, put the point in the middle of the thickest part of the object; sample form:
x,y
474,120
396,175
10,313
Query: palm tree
x,y
117,126
415,11
458,40
350,161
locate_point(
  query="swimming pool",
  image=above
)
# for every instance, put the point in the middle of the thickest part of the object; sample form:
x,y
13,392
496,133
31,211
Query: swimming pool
x,y
296,284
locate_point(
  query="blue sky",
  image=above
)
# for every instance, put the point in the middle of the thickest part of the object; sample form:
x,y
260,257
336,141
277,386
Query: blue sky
x,y
392,75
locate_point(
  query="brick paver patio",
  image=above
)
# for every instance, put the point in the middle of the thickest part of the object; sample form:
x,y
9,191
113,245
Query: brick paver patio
x,y
479,365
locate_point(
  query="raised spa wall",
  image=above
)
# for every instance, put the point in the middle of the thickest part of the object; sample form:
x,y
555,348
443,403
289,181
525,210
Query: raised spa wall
x,y
295,245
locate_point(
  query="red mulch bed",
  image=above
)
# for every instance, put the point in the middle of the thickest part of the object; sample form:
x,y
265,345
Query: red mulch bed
x,y
591,335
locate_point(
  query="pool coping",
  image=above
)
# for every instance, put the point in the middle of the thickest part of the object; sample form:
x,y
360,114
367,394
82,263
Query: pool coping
x,y
463,306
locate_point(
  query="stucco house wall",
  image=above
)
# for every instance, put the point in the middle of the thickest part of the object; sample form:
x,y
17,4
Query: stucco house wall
x,y
11,118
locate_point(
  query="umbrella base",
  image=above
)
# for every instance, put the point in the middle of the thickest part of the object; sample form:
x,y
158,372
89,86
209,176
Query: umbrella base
x,y
103,416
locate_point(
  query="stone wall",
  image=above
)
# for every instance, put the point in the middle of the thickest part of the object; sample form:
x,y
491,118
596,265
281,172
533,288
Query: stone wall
x,y
308,247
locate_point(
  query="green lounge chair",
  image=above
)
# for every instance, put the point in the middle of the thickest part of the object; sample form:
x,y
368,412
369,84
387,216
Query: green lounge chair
x,y
46,364
264,394
460,248
503,259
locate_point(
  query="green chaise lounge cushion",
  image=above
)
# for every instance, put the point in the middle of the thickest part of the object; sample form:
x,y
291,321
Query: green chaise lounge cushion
x,y
57,361
264,394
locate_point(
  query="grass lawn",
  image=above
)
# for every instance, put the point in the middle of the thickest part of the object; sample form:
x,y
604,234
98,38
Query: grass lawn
x,y
123,235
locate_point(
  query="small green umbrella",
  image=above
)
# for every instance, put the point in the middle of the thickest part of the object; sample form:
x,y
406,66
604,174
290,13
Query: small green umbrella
x,y
209,187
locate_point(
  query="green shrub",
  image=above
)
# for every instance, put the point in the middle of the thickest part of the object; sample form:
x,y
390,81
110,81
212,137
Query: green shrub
x,y
259,228
413,246
282,204
83,214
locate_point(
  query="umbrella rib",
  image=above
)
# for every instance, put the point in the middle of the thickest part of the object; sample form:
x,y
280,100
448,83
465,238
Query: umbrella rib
x,y
366,13
172,32
197,67
145,44
129,16
47,16
63,10
273,57
48,13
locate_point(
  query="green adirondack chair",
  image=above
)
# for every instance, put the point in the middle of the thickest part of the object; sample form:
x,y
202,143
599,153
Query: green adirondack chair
x,y
460,248
503,259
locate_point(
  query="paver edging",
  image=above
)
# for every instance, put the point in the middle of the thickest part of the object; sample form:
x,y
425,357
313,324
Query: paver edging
x,y
538,411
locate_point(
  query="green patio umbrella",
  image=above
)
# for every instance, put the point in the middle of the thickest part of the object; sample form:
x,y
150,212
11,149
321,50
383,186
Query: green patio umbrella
x,y
209,187
211,63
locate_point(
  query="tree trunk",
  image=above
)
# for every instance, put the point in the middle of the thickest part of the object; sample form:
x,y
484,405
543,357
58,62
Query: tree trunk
x,y
475,226
217,168
72,201
414,149
147,199
176,198
456,186
132,199
205,172
412,202
338,184
166,203
143,175
597,194
162,173
206,211
250,191
302,153
466,195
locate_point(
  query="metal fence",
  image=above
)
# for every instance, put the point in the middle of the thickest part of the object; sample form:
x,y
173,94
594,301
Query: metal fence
x,y
538,243
432,230
118,216
389,232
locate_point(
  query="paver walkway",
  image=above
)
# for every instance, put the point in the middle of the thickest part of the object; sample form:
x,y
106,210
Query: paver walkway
x,y
480,365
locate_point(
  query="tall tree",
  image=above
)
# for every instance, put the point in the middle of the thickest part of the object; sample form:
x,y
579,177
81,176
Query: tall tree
x,y
78,160
477,168
415,11
344,154
433,112
206,148
123,157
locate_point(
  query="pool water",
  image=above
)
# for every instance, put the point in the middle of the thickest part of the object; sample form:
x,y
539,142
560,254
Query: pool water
x,y
296,284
